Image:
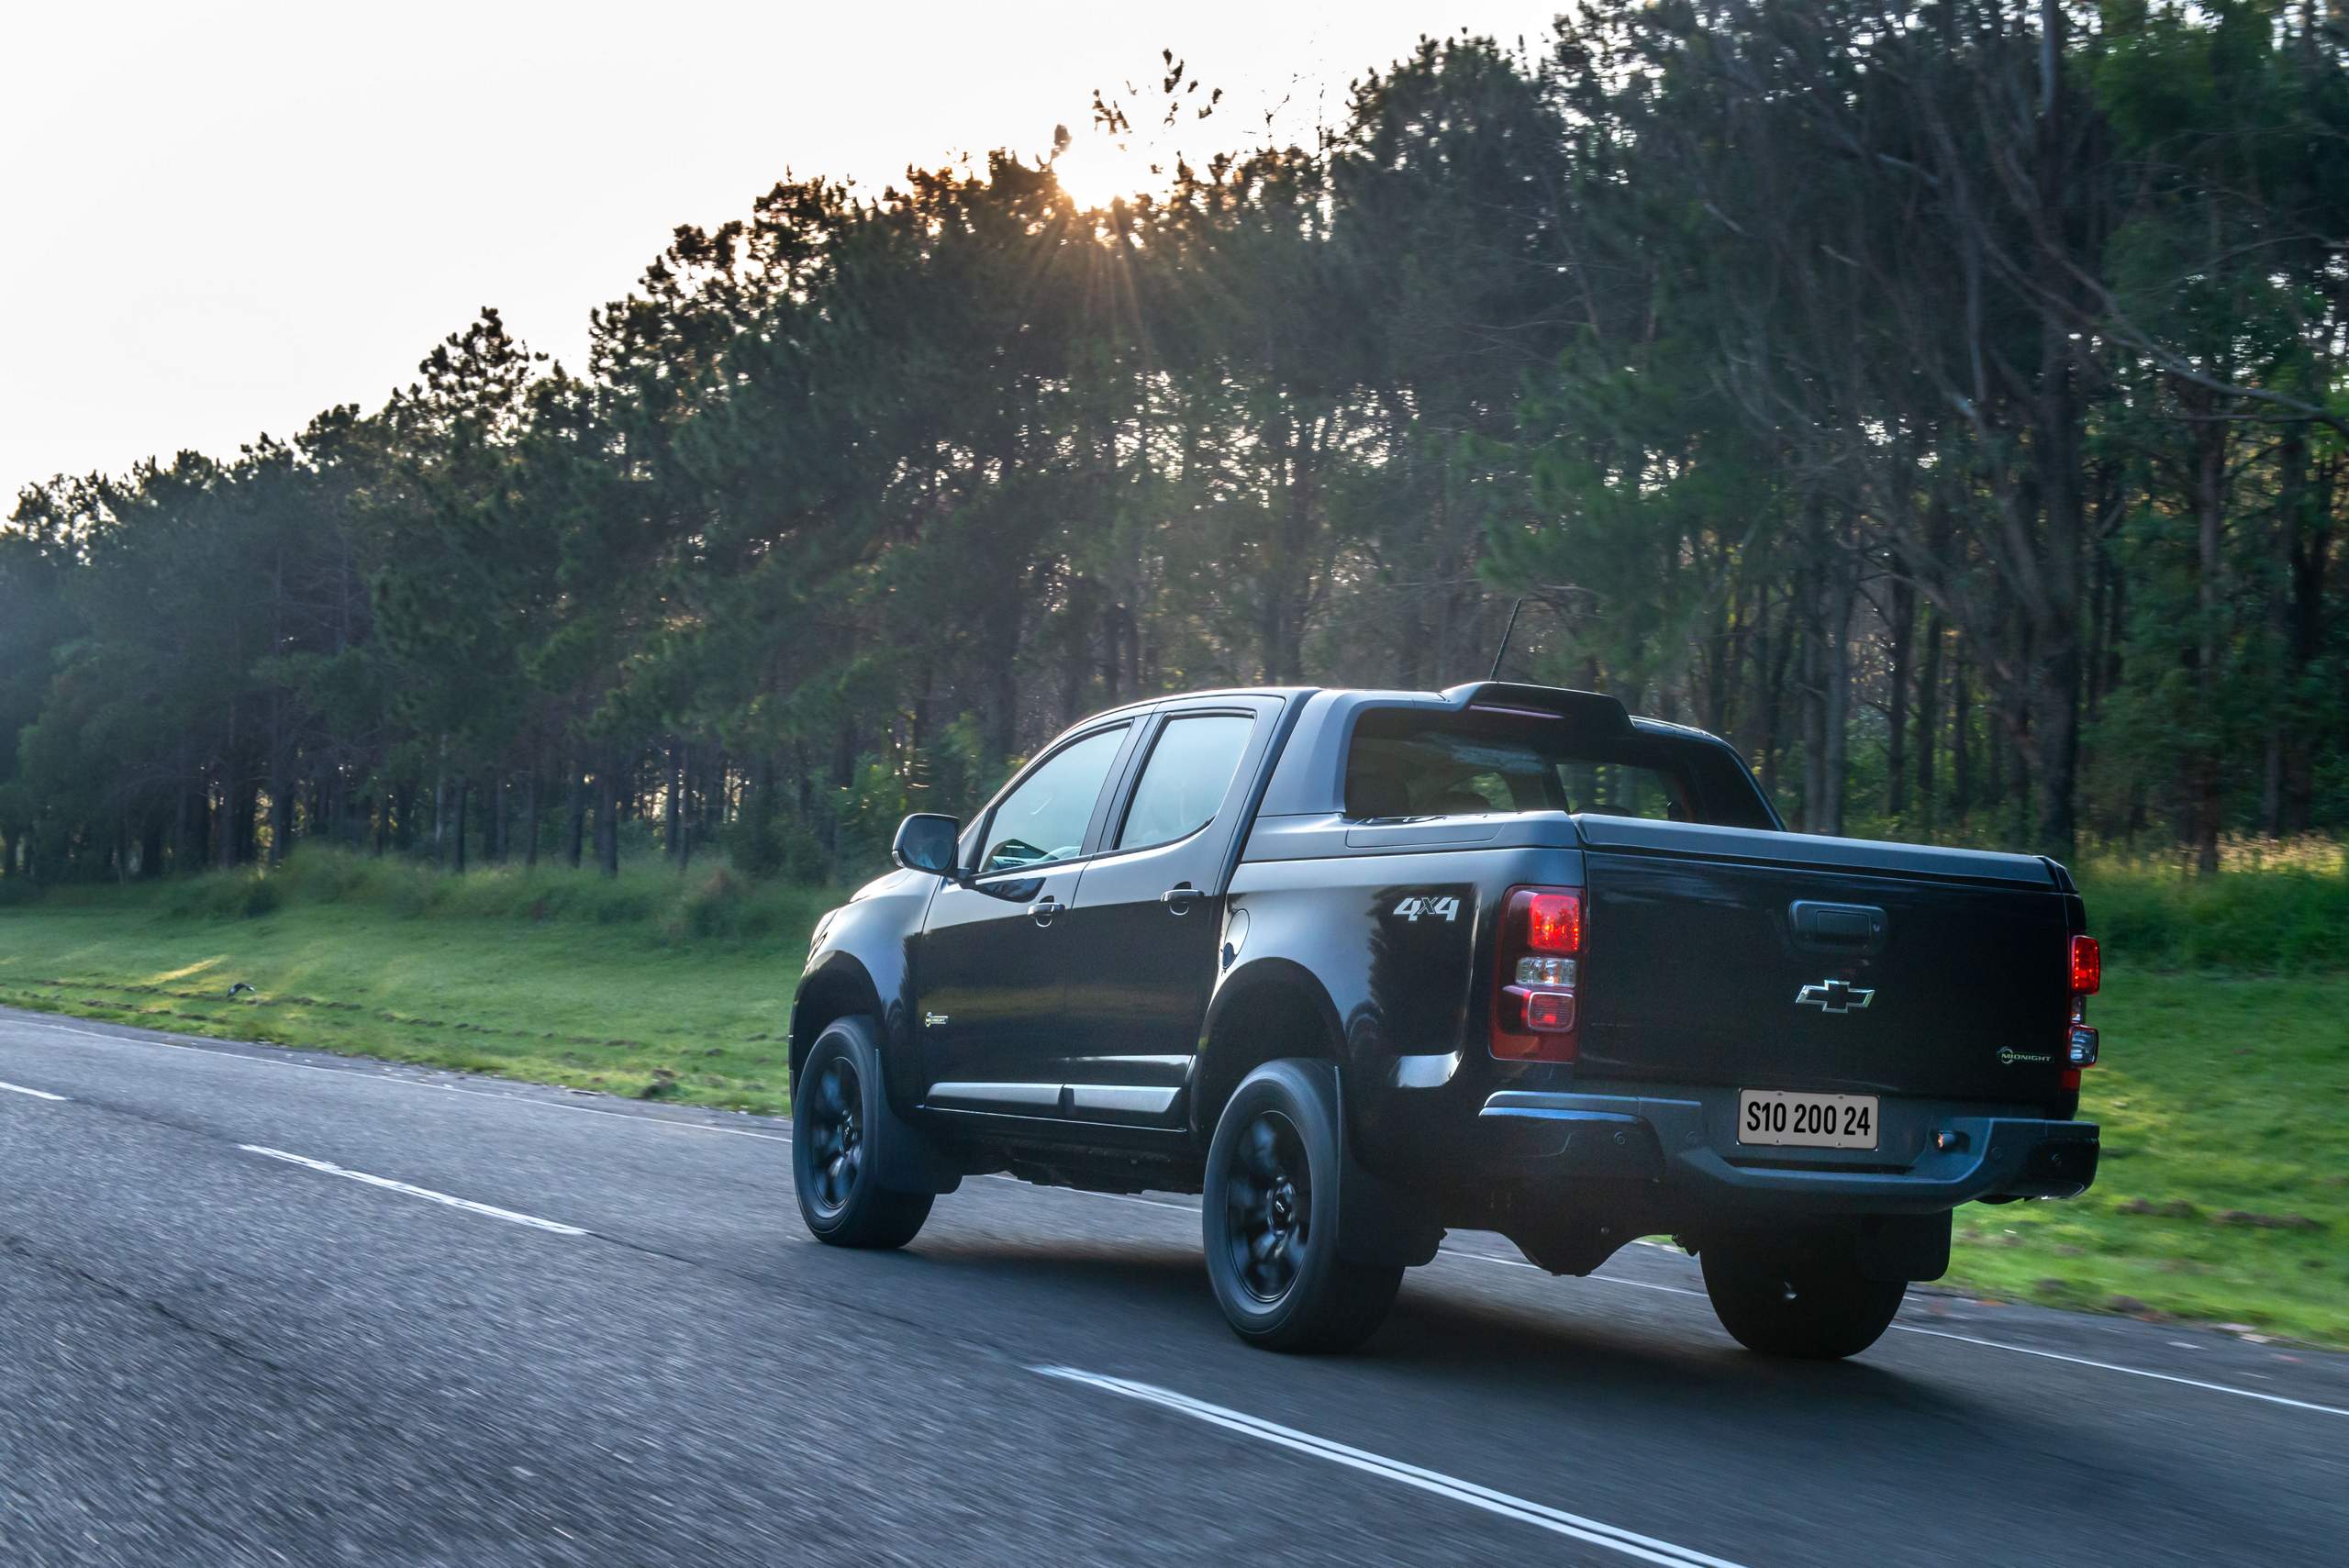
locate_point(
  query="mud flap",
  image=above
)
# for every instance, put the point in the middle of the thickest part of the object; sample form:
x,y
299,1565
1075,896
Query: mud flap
x,y
1908,1247
1379,1221
909,1162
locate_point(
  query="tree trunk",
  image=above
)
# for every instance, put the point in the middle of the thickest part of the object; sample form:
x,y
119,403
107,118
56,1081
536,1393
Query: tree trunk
x,y
2205,772
463,789
1837,705
1929,681
223,809
1895,759
574,830
672,804
2049,747
2305,505
607,817
530,818
1961,737
187,854
281,810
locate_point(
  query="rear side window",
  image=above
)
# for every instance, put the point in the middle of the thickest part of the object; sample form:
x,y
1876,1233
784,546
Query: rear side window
x,y
1409,762
1190,769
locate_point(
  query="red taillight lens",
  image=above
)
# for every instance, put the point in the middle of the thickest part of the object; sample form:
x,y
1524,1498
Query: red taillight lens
x,y
2088,966
1536,969
1553,922
2081,1046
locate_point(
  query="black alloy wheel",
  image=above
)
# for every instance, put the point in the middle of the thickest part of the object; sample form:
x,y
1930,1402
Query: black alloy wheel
x,y
841,1139
835,1136
1275,1178
1269,1206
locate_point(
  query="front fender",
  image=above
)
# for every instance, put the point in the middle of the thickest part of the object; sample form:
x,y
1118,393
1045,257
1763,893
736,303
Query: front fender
x,y
862,961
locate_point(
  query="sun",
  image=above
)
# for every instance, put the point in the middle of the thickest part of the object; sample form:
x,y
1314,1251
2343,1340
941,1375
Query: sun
x,y
1096,170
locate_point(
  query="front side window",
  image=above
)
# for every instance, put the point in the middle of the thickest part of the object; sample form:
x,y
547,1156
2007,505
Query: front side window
x,y
1044,819
1190,768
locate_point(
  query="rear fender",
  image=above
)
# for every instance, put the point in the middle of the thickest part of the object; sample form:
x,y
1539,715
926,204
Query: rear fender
x,y
1379,1221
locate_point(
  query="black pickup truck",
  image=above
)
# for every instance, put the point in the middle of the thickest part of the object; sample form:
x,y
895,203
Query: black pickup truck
x,y
1360,965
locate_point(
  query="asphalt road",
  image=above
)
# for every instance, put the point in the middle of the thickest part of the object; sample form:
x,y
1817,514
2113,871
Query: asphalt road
x,y
241,1320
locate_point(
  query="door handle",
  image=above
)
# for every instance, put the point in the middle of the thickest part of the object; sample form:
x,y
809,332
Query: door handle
x,y
1044,909
1177,898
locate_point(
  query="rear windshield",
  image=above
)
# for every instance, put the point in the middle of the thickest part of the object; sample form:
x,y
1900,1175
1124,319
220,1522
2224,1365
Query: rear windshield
x,y
1412,762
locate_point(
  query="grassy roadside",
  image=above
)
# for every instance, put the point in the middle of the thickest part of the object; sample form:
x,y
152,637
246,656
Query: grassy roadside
x,y
2223,1192
595,1004
2223,1195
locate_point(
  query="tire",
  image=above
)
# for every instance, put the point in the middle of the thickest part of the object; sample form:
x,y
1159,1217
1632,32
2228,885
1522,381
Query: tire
x,y
839,1119
1808,1305
1270,1217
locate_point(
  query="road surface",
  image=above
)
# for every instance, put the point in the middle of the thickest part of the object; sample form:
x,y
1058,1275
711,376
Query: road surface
x,y
262,1306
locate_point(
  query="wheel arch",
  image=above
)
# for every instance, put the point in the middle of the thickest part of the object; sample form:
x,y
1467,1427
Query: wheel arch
x,y
1265,1010
838,988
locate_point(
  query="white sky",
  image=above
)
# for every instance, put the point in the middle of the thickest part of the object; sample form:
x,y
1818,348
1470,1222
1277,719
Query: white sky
x,y
217,219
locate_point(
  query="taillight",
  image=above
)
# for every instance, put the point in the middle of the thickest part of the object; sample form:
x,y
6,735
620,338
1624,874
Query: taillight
x,y
1537,964
2088,966
1553,922
2080,1047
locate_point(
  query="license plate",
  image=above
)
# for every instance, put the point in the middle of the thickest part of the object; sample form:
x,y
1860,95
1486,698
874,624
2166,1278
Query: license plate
x,y
1806,1121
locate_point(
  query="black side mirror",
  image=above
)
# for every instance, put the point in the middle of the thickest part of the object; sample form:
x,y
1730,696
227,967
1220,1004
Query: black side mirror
x,y
926,842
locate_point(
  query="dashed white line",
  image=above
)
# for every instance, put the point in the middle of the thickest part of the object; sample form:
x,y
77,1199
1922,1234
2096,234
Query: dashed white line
x,y
468,1205
1967,1339
1557,1521
1120,1197
2132,1371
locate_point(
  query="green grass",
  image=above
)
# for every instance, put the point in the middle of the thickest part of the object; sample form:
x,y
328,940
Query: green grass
x,y
2224,1095
2223,1193
528,977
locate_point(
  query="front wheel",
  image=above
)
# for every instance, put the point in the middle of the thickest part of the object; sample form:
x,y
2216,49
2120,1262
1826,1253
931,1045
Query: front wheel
x,y
1811,1305
839,1124
1270,1217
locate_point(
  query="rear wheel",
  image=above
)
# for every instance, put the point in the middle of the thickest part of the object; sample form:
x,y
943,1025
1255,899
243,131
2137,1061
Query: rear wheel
x,y
838,1127
1270,1217
1809,1304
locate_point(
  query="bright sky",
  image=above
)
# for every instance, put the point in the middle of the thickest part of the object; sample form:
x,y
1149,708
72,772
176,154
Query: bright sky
x,y
218,219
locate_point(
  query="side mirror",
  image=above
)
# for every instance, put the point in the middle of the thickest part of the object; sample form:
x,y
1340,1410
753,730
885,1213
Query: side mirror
x,y
926,842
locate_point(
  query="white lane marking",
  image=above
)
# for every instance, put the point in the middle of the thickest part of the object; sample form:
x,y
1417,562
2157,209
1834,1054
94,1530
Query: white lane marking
x,y
1127,1197
466,1203
1897,1328
1646,1548
364,1076
2132,1371
1970,1340
36,1094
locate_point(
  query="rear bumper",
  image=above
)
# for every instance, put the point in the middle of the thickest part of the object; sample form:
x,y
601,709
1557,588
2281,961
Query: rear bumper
x,y
1933,1157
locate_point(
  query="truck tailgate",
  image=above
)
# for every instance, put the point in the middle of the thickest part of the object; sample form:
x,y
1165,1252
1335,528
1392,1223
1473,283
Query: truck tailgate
x,y
1773,960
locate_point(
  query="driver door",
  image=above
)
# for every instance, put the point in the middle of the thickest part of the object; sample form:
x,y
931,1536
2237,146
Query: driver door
x,y
992,967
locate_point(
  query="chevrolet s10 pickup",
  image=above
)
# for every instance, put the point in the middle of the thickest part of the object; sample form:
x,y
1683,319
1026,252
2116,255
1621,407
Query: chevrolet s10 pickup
x,y
1358,966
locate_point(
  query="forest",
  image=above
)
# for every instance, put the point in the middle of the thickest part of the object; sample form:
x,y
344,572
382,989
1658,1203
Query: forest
x,y
1946,402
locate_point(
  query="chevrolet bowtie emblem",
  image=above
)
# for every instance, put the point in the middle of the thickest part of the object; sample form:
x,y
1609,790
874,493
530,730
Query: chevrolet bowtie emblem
x,y
1834,997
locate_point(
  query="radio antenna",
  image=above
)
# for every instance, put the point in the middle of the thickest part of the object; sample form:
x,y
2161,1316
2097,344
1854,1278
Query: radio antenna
x,y
1507,632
